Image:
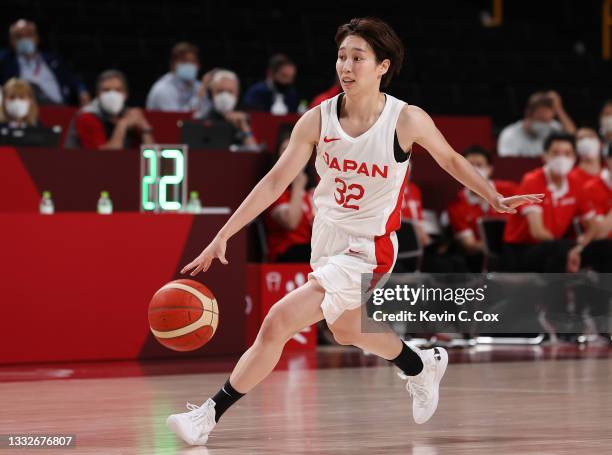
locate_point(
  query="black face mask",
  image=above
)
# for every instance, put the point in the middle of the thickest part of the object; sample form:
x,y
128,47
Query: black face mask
x,y
281,87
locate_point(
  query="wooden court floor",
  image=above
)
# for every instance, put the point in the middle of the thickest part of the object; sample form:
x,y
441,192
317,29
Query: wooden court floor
x,y
543,407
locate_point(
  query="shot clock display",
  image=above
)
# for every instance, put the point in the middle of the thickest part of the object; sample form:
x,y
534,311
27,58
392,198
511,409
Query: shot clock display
x,y
163,178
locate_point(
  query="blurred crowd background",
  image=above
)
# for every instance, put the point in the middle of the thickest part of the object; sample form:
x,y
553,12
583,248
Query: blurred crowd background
x,y
540,74
454,65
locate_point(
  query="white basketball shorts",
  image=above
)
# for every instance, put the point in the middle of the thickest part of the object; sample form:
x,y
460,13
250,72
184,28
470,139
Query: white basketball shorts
x,y
339,259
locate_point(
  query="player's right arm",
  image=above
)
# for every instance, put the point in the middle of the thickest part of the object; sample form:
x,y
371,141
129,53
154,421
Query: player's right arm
x,y
304,137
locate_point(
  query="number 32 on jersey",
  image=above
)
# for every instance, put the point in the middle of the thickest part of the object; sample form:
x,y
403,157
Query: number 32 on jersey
x,y
346,193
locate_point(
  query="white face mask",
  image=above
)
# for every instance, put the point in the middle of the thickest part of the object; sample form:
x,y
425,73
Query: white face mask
x,y
17,108
588,147
560,165
112,101
606,125
187,72
224,102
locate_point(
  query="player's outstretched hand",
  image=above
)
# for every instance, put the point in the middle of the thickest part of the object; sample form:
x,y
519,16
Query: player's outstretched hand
x,y
509,204
216,250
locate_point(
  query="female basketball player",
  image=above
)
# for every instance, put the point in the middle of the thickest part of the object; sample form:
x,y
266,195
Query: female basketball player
x,y
363,138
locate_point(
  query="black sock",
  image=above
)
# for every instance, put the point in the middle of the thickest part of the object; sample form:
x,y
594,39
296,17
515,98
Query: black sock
x,y
408,361
224,398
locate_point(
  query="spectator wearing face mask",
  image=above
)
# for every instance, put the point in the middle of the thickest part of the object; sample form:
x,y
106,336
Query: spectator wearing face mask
x,y
51,81
605,127
276,94
468,207
544,114
533,235
19,107
593,248
106,123
588,148
597,207
179,90
224,90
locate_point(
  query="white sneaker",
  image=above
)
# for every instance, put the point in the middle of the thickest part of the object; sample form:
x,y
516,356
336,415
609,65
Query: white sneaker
x,y
194,426
424,386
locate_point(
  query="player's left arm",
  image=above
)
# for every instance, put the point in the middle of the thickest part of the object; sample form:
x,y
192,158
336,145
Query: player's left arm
x,y
416,126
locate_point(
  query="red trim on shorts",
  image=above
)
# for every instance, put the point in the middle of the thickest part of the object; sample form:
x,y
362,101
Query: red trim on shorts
x,y
385,253
395,218
383,246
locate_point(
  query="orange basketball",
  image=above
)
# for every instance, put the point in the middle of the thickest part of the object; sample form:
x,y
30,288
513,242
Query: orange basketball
x,y
183,315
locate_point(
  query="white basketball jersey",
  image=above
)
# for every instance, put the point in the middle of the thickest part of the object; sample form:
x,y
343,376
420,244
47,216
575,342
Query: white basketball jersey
x,y
361,181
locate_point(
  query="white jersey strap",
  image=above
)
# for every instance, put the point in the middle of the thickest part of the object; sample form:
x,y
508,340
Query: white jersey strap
x,y
327,109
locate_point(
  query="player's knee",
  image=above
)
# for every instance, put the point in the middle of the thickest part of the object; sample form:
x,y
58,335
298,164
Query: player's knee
x,y
273,329
343,336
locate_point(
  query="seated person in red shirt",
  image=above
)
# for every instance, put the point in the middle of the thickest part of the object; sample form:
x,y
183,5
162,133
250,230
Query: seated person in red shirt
x,y
412,210
437,257
289,221
465,211
534,235
597,205
106,123
588,148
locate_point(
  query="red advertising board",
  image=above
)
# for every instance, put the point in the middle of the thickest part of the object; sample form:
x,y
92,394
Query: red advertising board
x,y
266,285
